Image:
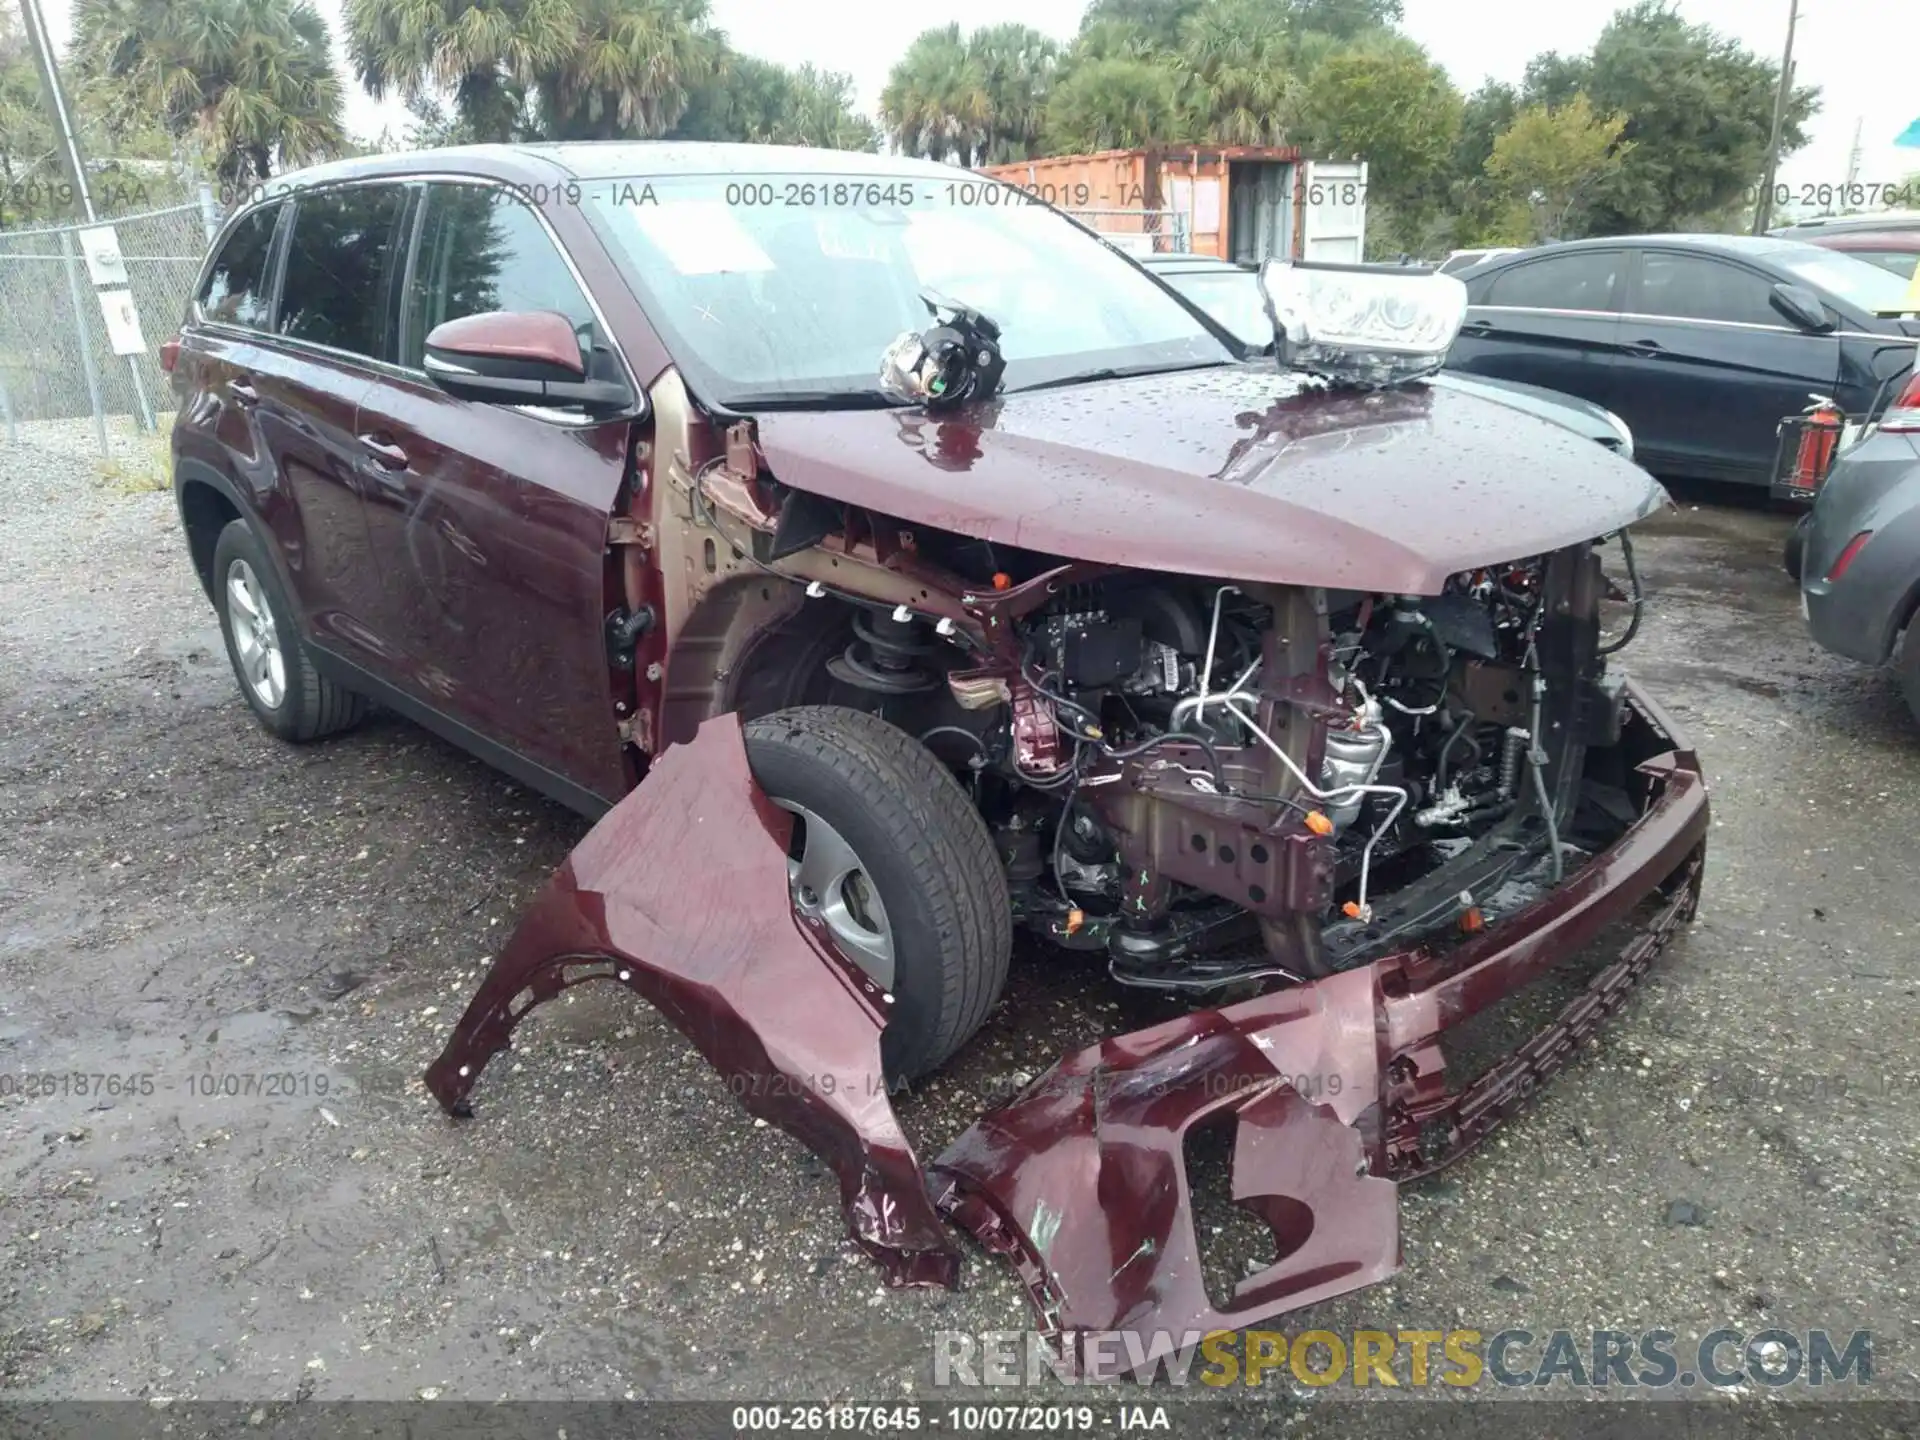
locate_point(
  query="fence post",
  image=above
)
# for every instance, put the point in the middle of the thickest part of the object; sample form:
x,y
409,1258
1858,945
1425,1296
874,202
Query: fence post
x,y
209,212
80,333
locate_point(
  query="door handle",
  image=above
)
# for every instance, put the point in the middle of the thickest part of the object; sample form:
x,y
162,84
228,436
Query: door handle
x,y
1646,349
243,392
385,453
1476,328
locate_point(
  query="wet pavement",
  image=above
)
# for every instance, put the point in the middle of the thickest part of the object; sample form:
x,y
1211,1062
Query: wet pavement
x,y
224,963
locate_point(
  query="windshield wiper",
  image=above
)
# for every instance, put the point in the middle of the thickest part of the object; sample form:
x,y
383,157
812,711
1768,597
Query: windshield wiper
x,y
812,400
1110,372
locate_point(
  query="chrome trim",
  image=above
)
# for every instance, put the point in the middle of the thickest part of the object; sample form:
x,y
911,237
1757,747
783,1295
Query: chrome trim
x,y
1879,335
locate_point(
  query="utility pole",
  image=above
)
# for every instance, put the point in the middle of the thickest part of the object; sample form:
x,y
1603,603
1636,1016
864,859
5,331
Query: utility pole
x,y
1763,207
1853,155
64,129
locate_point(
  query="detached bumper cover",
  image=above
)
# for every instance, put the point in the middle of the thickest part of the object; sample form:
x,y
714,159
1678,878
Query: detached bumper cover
x,y
1336,1090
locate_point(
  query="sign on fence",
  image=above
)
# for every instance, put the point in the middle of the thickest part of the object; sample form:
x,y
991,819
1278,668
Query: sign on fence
x,y
123,322
100,247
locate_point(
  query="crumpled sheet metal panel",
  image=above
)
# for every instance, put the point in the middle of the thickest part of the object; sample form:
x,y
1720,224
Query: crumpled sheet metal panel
x,y
680,893
1081,1180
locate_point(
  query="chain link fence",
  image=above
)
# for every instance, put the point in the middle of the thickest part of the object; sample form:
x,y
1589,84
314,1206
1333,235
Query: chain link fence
x,y
1140,232
58,359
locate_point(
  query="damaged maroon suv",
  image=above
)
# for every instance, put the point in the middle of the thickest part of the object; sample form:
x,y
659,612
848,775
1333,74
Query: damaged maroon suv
x,y
890,566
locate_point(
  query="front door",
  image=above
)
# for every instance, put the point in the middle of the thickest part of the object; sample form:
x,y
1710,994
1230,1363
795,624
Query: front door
x,y
490,521
1553,321
1703,347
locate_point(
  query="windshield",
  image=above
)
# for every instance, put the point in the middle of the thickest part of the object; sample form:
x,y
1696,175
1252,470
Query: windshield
x,y
770,287
1230,296
1863,286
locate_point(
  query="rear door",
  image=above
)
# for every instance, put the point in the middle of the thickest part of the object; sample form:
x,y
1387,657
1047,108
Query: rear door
x,y
1706,355
489,522
338,263
1552,320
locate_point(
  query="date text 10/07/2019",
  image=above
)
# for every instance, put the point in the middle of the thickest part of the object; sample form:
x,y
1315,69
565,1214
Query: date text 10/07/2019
x,y
959,1419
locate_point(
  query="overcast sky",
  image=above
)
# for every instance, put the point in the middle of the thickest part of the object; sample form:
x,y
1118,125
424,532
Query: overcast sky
x,y
1860,52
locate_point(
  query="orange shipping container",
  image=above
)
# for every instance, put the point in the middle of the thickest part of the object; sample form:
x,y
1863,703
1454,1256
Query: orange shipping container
x,y
1235,202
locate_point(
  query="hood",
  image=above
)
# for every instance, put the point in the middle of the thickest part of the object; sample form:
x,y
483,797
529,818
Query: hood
x,y
1235,473
1591,421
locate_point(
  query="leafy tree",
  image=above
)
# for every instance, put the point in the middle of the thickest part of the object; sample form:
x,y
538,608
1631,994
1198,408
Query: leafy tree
x,y
1114,105
817,109
1549,161
1341,19
1385,101
1698,108
1155,23
250,81
936,102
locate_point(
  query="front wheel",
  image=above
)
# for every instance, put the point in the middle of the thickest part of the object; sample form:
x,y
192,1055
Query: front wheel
x,y
891,857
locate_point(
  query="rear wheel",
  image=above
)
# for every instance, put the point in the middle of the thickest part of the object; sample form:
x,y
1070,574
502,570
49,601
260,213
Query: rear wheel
x,y
1910,668
1795,554
277,678
890,855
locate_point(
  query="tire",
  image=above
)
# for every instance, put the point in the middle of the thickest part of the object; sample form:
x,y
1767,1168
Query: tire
x,y
1910,667
924,851
1794,555
291,699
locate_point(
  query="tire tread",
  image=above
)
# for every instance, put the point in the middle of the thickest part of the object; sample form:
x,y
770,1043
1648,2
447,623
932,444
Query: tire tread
x,y
943,840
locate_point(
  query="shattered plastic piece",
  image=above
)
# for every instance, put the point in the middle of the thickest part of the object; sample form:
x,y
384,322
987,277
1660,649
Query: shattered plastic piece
x,y
680,893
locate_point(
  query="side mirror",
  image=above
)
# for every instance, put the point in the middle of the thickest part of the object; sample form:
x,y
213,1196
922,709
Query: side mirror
x,y
518,357
1802,306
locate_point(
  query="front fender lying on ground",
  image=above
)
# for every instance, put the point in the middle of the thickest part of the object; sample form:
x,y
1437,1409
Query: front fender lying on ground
x,y
681,893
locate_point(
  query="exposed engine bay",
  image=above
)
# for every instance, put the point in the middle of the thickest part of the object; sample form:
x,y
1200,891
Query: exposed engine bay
x,y
1224,787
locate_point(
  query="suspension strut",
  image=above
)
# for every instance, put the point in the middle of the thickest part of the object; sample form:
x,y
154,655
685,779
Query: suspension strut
x,y
886,656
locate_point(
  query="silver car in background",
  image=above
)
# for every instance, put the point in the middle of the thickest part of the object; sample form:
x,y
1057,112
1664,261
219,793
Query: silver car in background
x,y
1860,570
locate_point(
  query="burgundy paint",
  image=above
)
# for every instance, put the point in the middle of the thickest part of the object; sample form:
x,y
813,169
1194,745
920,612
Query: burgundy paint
x,y
542,335
680,893
1239,472
1080,1181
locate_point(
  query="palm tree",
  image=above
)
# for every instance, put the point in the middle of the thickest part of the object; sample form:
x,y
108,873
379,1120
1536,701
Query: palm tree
x,y
935,103
1240,87
1115,104
487,53
1016,65
632,69
252,81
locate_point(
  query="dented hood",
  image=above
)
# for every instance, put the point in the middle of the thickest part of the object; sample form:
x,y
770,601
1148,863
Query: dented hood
x,y
1240,473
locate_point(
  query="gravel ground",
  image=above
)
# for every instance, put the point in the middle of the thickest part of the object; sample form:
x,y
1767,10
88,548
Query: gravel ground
x,y
183,897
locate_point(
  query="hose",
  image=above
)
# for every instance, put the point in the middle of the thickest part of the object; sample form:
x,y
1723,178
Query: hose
x,y
1639,599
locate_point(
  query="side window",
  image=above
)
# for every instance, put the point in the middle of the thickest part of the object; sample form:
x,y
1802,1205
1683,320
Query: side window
x,y
238,289
1901,264
1688,287
481,250
1583,280
335,290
